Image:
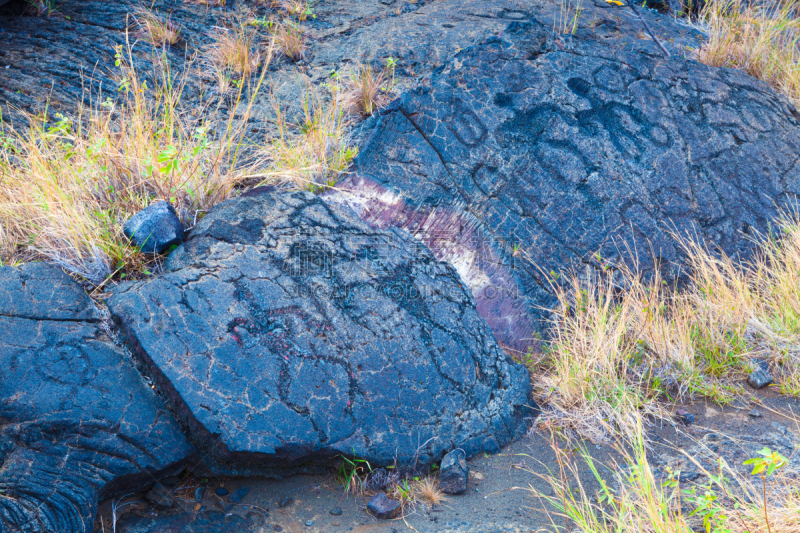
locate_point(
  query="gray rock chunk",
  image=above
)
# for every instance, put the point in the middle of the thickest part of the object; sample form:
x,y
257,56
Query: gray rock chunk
x,y
381,506
531,154
454,473
155,228
286,333
77,423
759,378
160,495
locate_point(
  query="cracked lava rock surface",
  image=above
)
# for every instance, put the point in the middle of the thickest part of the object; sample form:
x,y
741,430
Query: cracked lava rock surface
x,y
287,332
533,153
77,422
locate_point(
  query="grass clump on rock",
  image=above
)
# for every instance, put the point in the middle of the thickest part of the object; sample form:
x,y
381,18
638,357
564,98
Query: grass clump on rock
x,y
621,345
759,38
68,185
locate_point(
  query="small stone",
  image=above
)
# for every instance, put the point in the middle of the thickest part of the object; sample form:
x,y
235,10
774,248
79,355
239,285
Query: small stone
x,y
160,495
758,379
199,493
683,477
222,491
277,528
309,523
454,472
155,228
755,413
237,495
383,507
215,515
685,416
336,511
286,502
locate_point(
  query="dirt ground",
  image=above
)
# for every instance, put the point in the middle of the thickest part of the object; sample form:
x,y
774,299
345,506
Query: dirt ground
x,y
497,500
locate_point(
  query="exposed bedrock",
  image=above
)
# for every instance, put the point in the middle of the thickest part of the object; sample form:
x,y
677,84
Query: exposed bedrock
x,y
532,153
77,422
287,332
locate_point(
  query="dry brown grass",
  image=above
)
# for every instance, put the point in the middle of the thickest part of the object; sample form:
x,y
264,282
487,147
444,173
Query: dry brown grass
x,y
366,90
760,38
313,152
156,30
619,345
290,40
67,187
234,55
427,490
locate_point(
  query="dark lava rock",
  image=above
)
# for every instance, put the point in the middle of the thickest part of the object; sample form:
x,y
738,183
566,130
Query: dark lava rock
x,y
684,416
155,228
384,507
239,494
77,422
287,332
759,378
454,473
336,511
755,413
160,495
533,153
222,491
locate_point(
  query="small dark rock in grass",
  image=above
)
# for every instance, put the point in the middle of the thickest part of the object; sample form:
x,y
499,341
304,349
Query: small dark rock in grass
x,y
155,228
222,491
758,379
454,472
755,413
160,495
384,507
336,511
685,416
277,528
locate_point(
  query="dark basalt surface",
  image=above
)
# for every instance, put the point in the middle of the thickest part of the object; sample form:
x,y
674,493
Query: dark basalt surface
x,y
287,332
534,154
77,422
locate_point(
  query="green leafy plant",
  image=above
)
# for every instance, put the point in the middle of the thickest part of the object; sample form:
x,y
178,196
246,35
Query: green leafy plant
x,y
352,472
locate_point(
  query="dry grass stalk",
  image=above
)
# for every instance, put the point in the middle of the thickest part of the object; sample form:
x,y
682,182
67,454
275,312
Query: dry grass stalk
x,y
67,188
155,30
760,38
212,3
